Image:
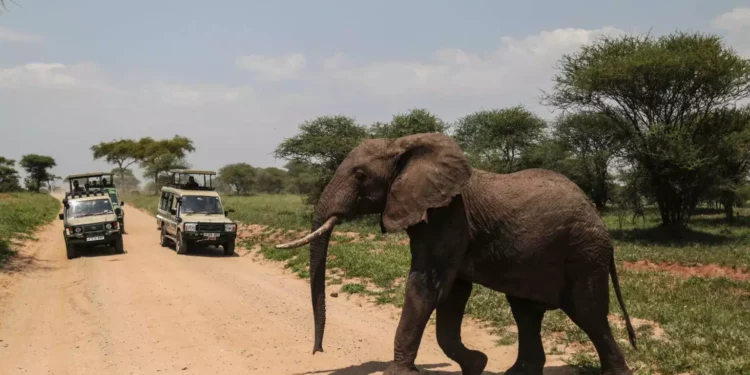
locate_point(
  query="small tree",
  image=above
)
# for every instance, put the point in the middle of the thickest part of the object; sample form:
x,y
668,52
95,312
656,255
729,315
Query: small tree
x,y
8,176
37,167
416,121
162,155
240,176
660,92
496,139
270,180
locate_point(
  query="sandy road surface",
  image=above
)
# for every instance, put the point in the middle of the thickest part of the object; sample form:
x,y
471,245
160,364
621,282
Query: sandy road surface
x,y
151,311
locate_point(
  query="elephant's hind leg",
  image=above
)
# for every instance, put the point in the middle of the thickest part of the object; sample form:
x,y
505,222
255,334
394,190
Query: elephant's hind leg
x,y
588,306
450,313
528,316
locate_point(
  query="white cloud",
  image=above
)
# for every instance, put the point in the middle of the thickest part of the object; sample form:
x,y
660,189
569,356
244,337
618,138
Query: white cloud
x,y
8,35
736,26
516,69
289,66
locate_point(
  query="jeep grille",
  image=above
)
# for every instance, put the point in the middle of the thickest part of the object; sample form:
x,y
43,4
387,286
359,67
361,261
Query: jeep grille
x,y
210,227
93,228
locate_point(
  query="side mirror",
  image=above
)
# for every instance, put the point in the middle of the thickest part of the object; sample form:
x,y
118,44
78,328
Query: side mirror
x,y
118,211
178,220
226,212
122,203
173,211
61,216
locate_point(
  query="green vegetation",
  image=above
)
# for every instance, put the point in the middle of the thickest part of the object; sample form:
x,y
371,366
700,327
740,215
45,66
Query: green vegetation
x,y
37,167
705,321
20,215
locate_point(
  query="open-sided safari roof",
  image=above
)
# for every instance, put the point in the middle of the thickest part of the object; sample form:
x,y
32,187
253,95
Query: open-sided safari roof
x,y
192,171
89,174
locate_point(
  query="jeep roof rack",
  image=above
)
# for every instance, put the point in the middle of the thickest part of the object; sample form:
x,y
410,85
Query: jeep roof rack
x,y
81,194
178,179
97,176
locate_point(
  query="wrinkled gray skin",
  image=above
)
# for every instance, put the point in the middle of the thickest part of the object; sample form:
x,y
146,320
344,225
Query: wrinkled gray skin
x,y
533,235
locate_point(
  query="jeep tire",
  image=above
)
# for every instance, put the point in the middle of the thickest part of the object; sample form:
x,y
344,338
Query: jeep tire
x,y
70,249
229,248
181,246
118,245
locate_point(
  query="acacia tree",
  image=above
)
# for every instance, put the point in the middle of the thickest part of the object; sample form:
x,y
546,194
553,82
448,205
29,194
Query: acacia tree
x,y
594,140
660,92
123,152
156,156
322,144
496,139
37,167
418,120
8,176
125,180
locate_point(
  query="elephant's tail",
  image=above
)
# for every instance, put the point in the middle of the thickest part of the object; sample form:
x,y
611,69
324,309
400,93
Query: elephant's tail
x,y
616,283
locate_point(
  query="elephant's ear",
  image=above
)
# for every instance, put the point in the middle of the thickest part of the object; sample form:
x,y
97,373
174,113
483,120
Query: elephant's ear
x,y
430,170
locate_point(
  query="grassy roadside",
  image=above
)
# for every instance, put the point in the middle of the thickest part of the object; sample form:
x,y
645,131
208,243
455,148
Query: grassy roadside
x,y
693,325
20,215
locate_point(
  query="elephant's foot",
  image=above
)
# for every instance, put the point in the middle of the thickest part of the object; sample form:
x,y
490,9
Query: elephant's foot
x,y
473,363
396,369
525,368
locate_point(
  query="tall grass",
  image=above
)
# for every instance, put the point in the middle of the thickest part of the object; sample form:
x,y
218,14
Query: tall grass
x,y
20,215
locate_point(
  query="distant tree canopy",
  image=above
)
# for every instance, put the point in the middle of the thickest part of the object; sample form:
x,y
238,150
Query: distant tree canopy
x,y
37,167
123,153
414,122
322,144
154,156
661,93
9,179
240,176
496,140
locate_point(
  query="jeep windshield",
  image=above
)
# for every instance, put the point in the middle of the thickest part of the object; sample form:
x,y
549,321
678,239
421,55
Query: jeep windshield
x,y
201,204
89,208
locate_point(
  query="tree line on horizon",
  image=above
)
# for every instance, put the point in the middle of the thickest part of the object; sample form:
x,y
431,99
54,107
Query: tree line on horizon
x,y
645,121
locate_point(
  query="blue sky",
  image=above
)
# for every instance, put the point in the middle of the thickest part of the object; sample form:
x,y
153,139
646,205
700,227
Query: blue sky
x,y
239,76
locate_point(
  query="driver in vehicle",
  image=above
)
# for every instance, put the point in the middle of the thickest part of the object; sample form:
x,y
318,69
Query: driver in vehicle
x,y
76,187
191,183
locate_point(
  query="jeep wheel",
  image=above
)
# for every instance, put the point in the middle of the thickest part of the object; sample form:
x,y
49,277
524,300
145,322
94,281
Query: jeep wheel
x,y
229,248
118,245
181,246
70,249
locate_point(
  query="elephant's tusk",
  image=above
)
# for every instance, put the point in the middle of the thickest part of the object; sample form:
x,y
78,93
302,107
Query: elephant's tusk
x,y
328,225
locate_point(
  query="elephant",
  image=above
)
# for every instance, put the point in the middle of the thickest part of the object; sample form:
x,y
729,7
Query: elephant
x,y
533,235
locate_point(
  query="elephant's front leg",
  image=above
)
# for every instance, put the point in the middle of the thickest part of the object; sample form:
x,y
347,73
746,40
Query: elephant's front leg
x,y
420,301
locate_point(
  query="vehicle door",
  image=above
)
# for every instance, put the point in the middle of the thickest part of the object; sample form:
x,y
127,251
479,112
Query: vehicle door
x,y
172,211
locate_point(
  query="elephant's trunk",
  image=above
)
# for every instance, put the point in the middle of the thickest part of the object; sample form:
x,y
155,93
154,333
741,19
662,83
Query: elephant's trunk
x,y
336,202
318,258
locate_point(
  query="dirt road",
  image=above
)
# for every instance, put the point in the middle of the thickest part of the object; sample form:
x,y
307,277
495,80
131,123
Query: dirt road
x,y
151,311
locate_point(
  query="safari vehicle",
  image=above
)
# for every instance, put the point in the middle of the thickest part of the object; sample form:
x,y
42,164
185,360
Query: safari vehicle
x,y
191,214
101,181
90,219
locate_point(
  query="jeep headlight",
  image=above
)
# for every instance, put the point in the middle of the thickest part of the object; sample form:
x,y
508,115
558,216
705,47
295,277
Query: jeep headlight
x,y
190,227
78,229
108,226
230,227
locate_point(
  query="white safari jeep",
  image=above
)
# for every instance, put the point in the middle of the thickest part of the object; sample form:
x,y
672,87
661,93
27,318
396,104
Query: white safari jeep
x,y
191,214
90,219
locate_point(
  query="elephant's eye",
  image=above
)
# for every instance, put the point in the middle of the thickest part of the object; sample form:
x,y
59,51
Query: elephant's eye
x,y
359,173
